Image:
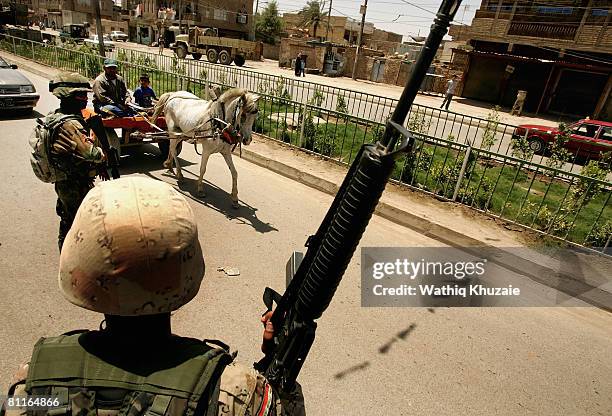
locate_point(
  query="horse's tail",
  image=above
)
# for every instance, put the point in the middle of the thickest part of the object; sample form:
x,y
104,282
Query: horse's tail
x,y
160,105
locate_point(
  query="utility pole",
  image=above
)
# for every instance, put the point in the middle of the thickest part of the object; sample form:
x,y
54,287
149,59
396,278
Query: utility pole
x,y
180,16
328,17
99,31
252,35
363,15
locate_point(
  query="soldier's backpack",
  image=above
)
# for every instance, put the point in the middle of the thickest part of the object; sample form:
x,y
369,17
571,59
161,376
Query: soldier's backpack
x,y
41,141
86,377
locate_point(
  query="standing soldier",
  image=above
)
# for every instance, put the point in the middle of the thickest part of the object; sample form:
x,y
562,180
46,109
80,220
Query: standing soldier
x,y
72,153
134,255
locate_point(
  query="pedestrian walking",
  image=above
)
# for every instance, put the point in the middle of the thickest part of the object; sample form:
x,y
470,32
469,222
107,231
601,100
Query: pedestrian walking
x,y
134,256
303,66
450,91
517,108
298,65
161,42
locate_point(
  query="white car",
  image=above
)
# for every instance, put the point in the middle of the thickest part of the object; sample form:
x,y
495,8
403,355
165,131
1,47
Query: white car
x,y
109,45
118,36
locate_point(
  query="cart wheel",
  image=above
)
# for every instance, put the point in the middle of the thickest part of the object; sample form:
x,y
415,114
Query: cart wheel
x,y
239,60
225,58
181,51
212,55
196,56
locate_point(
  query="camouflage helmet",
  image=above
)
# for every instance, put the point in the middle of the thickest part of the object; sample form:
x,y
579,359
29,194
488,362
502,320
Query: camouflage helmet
x,y
65,85
133,249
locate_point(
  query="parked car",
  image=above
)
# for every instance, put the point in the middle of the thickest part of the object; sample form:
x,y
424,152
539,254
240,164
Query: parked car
x,y
16,91
109,45
588,138
118,36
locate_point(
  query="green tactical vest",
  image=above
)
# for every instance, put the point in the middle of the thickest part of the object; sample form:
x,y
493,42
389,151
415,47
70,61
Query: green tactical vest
x,y
183,379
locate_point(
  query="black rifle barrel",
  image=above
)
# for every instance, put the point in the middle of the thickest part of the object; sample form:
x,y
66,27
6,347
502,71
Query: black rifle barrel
x,y
445,15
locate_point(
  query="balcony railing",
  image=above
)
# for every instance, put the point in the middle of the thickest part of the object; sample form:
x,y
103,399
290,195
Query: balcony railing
x,y
543,30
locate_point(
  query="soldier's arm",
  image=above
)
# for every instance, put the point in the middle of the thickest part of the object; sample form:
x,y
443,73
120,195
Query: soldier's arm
x,y
72,139
245,392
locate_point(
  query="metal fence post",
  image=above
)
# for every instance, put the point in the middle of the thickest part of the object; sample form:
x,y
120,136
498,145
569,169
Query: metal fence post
x,y
303,124
33,56
14,47
55,48
462,172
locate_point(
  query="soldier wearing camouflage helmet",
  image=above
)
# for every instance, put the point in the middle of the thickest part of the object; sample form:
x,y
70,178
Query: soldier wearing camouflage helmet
x,y
133,254
72,150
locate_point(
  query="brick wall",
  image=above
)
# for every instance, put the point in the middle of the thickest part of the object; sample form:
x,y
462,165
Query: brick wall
x,y
364,63
290,47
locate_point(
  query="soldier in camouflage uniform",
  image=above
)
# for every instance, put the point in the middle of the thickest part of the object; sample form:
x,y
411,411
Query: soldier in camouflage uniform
x,y
72,150
133,254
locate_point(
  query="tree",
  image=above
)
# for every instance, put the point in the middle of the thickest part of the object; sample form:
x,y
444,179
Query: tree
x,y
313,14
269,24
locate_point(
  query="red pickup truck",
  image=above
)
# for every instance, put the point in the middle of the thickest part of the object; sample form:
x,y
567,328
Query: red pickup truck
x,y
588,138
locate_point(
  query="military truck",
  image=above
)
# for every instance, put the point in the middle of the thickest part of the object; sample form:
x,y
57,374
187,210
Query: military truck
x,y
75,32
206,42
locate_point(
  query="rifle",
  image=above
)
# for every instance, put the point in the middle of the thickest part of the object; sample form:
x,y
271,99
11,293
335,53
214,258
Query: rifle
x,y
95,124
314,277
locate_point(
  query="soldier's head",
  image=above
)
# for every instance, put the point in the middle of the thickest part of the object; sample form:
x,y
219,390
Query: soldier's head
x,y
110,68
71,89
132,250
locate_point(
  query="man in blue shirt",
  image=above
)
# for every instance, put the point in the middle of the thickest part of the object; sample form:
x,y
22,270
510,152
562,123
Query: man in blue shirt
x,y
144,95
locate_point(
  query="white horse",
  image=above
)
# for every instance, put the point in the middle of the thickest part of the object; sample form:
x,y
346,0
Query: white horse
x,y
188,116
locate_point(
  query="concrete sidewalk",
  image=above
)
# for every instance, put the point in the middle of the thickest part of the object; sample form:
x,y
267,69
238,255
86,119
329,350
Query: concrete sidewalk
x,y
450,223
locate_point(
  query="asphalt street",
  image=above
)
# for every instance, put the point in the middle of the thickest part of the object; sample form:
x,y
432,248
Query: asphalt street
x,y
365,361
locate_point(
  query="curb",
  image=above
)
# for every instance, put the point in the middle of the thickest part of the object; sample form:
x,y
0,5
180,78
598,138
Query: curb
x,y
536,272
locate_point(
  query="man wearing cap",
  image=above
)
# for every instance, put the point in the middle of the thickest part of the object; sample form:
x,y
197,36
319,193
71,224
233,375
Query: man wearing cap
x,y
110,91
72,150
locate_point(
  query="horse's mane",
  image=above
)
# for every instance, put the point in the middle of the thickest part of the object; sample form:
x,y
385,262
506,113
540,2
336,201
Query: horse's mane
x,y
229,95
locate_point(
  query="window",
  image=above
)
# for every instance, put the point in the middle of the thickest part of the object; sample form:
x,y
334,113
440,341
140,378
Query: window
x,y
587,130
220,15
606,134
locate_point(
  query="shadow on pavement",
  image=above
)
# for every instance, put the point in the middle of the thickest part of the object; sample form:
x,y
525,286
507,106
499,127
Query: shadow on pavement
x,y
383,349
219,200
143,159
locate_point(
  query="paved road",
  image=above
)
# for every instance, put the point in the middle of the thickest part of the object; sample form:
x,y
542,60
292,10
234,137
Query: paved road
x,y
365,361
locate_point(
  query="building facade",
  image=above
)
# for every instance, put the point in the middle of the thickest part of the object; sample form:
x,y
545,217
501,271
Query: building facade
x,y
560,54
56,13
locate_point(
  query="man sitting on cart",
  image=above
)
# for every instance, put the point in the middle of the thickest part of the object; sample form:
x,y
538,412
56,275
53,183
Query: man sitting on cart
x,y
110,92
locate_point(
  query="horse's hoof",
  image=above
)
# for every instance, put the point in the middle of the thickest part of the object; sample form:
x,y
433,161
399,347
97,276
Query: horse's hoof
x,y
167,165
179,179
235,204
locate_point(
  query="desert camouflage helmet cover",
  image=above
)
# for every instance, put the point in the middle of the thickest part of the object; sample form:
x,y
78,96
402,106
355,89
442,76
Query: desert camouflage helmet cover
x,y
67,84
133,249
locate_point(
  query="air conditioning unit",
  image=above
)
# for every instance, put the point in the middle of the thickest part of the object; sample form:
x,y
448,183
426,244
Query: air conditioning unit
x,y
242,19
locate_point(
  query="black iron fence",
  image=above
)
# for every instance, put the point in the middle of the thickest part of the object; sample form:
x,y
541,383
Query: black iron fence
x,y
474,171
